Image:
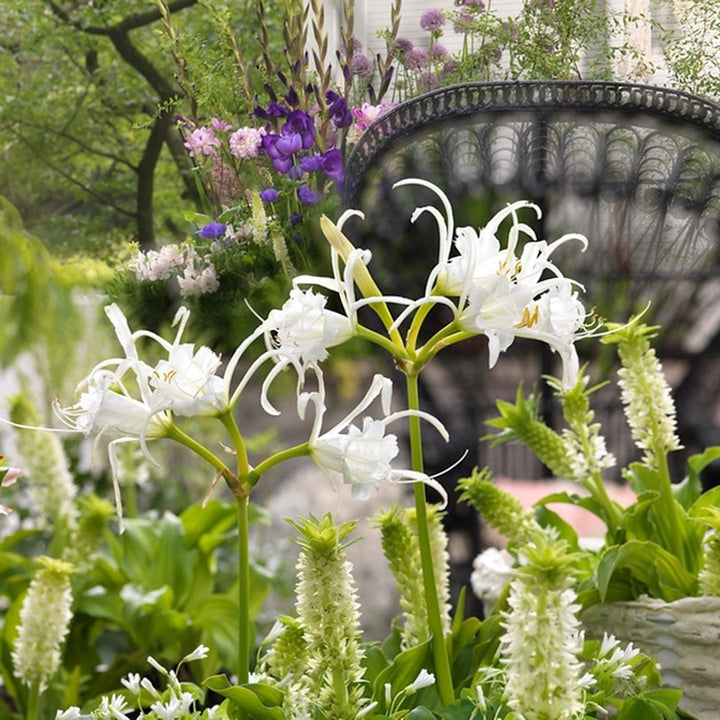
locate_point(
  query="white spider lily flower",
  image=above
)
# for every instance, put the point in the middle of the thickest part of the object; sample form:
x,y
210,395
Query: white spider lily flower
x,y
187,383
300,334
363,456
303,329
509,310
106,408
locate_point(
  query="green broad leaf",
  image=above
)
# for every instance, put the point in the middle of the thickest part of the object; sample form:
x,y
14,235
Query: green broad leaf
x,y
260,701
666,698
709,499
459,611
196,217
464,642
688,491
549,518
643,478
462,710
374,663
217,617
697,463
639,709
215,520
421,713
650,565
403,670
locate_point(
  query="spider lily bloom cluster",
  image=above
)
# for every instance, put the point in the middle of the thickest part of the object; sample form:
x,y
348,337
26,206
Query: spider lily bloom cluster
x,y
502,292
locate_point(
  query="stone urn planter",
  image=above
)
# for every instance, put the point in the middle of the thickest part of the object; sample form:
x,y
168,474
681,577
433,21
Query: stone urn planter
x,y
684,637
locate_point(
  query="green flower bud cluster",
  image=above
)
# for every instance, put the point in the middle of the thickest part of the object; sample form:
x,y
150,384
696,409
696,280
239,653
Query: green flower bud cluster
x,y
521,422
401,546
327,610
501,510
646,395
52,487
402,551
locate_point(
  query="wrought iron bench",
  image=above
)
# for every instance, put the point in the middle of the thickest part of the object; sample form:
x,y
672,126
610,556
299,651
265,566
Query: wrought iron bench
x,y
634,168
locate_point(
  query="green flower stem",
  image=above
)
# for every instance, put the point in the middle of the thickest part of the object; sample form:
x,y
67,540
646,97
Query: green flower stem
x,y
244,647
596,487
443,338
380,340
256,473
175,433
440,655
416,325
33,702
228,421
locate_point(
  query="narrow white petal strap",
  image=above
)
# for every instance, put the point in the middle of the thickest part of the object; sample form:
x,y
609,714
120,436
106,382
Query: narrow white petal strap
x,y
403,477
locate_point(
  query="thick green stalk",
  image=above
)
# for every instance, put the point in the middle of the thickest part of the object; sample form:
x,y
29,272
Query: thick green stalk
x,y
33,703
441,660
244,639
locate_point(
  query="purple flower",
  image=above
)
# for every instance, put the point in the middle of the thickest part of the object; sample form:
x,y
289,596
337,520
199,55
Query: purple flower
x,y
438,52
301,124
273,110
402,46
338,110
416,60
307,196
361,66
311,163
295,218
281,150
332,165
212,230
220,125
432,21
295,172
269,196
463,22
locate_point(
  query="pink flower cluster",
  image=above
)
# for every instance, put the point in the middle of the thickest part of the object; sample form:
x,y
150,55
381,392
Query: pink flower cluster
x,y
195,275
245,143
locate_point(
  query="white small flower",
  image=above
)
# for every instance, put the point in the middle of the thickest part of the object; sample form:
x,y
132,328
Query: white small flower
x,y
492,570
147,685
168,710
423,680
298,334
155,664
115,707
186,382
132,683
199,653
303,329
72,713
208,281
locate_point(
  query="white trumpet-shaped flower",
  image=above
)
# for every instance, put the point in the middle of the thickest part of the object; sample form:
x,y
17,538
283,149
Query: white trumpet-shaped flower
x,y
362,456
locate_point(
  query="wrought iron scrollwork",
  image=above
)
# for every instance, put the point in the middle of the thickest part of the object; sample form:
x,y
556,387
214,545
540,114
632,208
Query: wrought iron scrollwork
x,y
634,168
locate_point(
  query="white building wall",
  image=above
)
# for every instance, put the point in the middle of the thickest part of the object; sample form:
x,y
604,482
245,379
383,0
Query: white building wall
x,y
372,16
